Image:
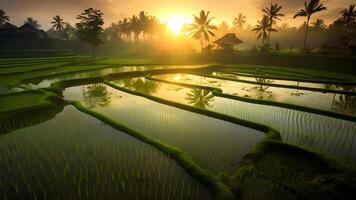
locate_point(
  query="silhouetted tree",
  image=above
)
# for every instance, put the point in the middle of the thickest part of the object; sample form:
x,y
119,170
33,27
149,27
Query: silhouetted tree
x,y
3,17
58,23
32,22
201,28
90,27
144,22
262,29
273,14
239,21
124,28
319,25
348,17
311,7
135,27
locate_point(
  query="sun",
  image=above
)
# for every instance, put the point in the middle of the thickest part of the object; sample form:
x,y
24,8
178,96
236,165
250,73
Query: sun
x,y
176,23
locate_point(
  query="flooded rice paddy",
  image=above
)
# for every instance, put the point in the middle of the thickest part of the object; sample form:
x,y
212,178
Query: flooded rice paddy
x,y
75,152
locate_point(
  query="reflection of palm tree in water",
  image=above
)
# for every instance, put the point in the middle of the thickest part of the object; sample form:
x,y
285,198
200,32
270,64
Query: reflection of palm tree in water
x,y
261,82
95,95
346,104
138,84
200,98
261,89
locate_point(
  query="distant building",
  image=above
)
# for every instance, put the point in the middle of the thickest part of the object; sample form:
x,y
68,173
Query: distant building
x,y
228,42
26,31
25,37
8,28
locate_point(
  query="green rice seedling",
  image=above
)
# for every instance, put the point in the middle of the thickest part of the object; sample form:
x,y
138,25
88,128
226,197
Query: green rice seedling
x,y
174,126
306,98
331,136
89,160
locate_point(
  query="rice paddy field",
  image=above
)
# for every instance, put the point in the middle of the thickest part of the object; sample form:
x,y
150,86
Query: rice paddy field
x,y
76,128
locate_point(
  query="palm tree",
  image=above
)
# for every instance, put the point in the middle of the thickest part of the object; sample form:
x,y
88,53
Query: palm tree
x,y
58,23
200,98
348,17
124,27
239,21
144,22
313,6
135,27
201,28
273,14
262,29
3,17
32,22
319,25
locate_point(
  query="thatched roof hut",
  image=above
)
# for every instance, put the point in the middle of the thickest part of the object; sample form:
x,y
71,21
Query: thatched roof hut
x,y
229,41
8,28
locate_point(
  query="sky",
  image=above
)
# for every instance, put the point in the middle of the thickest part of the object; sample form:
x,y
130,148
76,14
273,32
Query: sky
x,y
114,10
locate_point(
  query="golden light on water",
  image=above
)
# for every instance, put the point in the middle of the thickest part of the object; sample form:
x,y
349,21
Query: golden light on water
x,y
177,77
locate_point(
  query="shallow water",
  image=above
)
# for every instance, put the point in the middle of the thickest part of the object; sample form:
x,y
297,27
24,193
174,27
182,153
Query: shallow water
x,y
333,137
75,156
344,104
46,82
214,144
286,82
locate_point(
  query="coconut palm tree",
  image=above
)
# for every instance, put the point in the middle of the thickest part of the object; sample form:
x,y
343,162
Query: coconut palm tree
x,y
262,29
3,17
135,27
124,27
200,98
144,22
32,22
273,14
348,17
201,28
311,7
239,21
319,25
58,23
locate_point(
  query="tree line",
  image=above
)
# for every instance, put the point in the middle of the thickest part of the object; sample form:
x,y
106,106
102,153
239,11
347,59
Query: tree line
x,y
142,26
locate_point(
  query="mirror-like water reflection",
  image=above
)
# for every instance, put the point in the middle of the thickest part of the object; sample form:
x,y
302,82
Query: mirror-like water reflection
x,y
331,136
75,156
287,82
344,104
214,144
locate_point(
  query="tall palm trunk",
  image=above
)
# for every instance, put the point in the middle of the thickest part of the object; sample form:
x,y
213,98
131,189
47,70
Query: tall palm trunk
x,y
306,34
269,31
202,42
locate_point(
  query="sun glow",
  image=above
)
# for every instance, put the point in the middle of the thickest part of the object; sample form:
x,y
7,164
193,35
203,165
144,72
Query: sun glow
x,y
176,23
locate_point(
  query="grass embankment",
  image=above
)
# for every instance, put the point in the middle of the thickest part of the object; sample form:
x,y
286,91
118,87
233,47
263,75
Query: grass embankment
x,y
218,92
275,170
27,108
299,72
219,190
334,64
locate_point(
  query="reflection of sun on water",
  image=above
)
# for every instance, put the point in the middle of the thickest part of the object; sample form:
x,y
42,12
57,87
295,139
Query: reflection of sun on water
x,y
176,23
177,77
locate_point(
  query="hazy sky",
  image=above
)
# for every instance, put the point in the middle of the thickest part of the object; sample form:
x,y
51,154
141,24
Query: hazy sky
x,y
44,10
